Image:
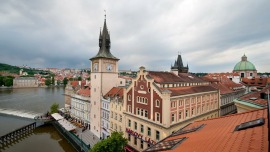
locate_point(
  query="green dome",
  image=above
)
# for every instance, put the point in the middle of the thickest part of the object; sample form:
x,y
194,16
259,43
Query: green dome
x,y
244,65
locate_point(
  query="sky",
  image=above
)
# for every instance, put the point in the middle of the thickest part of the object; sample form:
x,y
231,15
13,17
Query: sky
x,y
210,35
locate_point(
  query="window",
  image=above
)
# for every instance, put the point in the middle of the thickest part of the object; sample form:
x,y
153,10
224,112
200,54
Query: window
x,y
187,130
129,122
180,115
187,113
129,97
173,117
129,108
141,86
157,117
149,131
142,128
135,141
115,127
250,124
192,111
141,144
146,113
180,103
138,111
157,135
111,114
166,145
157,103
115,116
141,112
120,118
135,125
128,137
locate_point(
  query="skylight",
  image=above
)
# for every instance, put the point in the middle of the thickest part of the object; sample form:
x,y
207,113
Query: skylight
x,y
188,130
166,145
250,124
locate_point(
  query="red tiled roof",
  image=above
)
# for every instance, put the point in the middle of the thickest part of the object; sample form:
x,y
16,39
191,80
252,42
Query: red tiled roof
x,y
255,97
85,92
218,135
255,81
223,89
169,77
223,80
164,77
125,77
190,77
115,91
189,90
74,83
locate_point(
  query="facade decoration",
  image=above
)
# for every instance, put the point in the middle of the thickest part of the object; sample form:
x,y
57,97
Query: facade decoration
x,y
159,103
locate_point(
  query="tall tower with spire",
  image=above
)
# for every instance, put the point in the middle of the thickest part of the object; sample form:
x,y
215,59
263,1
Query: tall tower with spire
x,y
178,66
104,76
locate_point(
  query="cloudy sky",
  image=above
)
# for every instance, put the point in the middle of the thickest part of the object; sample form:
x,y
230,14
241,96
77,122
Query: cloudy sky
x,y
211,35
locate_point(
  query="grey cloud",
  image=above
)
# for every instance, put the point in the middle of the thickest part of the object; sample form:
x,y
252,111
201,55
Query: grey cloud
x,y
150,33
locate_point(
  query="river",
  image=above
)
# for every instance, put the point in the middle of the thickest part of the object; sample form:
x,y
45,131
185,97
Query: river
x,y
44,138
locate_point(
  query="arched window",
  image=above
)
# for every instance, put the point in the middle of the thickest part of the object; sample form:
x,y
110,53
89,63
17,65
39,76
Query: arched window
x,y
157,103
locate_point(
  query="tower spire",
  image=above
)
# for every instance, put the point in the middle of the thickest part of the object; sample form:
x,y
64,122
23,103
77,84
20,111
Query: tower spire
x,y
104,43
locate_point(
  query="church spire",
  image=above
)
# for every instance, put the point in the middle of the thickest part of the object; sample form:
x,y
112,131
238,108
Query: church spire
x,y
104,43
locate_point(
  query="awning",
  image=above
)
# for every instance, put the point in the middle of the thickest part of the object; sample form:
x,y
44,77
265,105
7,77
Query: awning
x,y
66,124
57,116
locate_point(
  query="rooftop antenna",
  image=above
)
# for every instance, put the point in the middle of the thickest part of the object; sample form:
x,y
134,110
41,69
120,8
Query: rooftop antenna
x,y
105,14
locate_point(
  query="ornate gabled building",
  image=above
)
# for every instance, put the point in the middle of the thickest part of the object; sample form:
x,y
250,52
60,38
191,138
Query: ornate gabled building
x,y
104,76
159,103
178,66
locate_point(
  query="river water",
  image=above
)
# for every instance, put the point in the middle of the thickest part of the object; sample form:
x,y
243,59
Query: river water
x,y
43,139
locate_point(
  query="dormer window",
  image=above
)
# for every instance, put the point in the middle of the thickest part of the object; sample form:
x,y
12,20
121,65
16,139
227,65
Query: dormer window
x,y
250,124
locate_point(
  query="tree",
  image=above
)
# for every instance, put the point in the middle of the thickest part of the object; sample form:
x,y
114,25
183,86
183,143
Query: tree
x,y
58,82
65,81
8,82
115,142
79,78
1,80
53,81
54,108
48,82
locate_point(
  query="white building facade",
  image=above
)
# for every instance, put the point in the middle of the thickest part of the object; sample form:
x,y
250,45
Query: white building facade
x,y
105,118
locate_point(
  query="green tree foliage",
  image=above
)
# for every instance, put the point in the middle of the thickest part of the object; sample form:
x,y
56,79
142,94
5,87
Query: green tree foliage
x,y
115,143
65,81
48,81
54,108
16,70
79,78
53,81
6,81
1,80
